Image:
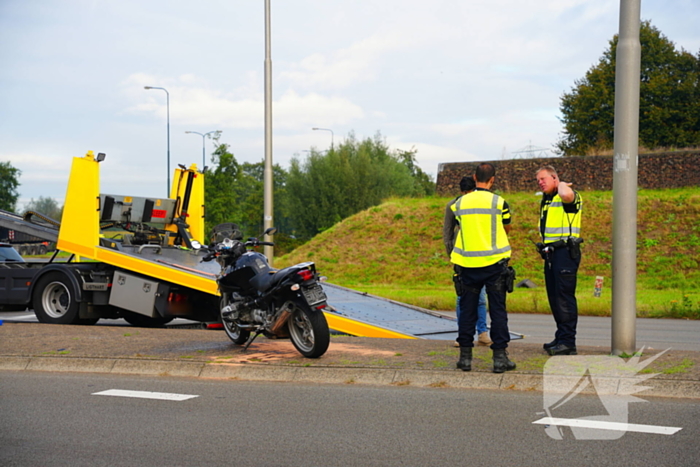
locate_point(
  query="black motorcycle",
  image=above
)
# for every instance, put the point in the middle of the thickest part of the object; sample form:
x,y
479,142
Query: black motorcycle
x,y
257,299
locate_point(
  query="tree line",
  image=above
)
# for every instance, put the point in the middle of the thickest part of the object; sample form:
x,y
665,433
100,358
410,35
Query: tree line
x,y
316,192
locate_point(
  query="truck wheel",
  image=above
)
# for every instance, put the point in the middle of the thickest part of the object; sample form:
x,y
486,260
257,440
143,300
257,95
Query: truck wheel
x,y
54,300
42,249
23,250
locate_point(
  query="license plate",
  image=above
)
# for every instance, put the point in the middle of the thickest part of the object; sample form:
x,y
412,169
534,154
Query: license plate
x,y
314,294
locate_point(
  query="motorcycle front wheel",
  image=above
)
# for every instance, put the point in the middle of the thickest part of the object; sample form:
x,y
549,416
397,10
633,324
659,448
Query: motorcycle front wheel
x,y
308,330
236,334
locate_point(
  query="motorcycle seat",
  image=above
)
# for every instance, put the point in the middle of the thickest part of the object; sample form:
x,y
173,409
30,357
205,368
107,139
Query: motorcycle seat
x,y
269,279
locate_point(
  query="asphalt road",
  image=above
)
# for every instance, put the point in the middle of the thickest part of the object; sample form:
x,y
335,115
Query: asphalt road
x,y
59,420
657,334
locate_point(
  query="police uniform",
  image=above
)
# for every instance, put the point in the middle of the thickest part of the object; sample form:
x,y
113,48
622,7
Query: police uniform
x,y
482,256
560,223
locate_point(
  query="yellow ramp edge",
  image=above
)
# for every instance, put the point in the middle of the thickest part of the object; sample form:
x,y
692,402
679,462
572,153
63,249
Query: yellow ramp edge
x,y
362,329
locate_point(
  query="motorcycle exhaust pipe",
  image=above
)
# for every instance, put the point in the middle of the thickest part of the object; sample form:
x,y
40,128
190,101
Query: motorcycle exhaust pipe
x,y
281,320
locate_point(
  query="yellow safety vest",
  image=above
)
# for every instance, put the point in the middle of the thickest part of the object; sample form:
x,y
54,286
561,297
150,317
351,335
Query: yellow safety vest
x,y
560,225
482,240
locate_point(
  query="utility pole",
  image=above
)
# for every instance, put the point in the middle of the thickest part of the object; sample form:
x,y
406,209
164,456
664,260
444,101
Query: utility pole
x,y
267,174
624,261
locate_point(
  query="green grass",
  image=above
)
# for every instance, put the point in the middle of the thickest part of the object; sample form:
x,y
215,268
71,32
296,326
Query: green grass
x,y
670,368
395,250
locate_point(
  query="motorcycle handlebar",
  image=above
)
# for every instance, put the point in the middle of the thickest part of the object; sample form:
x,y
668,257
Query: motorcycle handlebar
x,y
257,243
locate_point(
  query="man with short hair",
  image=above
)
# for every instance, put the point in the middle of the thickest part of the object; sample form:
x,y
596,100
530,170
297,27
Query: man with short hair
x,y
483,257
450,229
560,228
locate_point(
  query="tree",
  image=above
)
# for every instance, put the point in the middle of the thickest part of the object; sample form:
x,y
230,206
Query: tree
x,y
47,206
234,192
219,195
330,186
424,185
8,186
669,114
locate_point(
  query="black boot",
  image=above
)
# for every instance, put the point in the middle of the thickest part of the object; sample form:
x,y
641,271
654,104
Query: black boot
x,y
501,362
465,359
549,345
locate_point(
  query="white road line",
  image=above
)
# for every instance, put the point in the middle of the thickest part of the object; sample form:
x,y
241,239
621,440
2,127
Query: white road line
x,y
600,425
145,395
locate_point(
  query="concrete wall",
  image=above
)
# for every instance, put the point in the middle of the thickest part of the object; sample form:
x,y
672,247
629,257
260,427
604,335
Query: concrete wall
x,y
660,170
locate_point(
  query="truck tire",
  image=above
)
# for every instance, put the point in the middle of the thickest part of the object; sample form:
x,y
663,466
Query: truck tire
x,y
42,249
23,250
54,299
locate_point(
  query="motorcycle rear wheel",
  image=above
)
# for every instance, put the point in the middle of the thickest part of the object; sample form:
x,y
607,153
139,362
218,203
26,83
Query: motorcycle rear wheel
x,y
236,334
308,330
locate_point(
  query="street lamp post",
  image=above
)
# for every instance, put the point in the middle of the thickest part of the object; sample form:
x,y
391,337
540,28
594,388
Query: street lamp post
x,y
268,191
203,135
326,129
167,101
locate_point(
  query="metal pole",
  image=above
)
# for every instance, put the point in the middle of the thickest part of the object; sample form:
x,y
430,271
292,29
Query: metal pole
x,y
624,261
203,156
167,100
267,175
326,129
203,135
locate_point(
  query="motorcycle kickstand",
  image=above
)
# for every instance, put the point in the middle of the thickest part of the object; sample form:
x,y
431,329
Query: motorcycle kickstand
x,y
245,347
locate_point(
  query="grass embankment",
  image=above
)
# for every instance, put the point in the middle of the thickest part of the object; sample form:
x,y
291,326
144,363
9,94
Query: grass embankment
x,y
395,250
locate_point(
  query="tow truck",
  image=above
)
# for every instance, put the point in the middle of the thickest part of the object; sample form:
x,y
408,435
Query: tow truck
x,y
137,258
140,259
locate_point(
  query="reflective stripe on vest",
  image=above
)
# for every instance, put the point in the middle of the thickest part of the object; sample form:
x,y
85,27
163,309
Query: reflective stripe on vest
x,y
486,241
561,225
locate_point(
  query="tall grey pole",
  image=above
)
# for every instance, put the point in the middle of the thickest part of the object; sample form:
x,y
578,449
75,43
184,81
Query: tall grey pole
x,y
267,175
167,102
624,261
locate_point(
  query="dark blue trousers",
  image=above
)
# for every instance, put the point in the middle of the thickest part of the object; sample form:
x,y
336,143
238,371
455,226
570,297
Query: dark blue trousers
x,y
560,278
473,280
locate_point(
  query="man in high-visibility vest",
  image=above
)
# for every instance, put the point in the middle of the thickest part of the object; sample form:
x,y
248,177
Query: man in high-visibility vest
x,y
560,228
482,251
450,230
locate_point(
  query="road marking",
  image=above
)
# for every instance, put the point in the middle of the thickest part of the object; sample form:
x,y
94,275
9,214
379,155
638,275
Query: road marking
x,y
600,425
165,396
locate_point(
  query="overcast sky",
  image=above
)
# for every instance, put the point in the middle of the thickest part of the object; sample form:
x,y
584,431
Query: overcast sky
x,y
458,80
